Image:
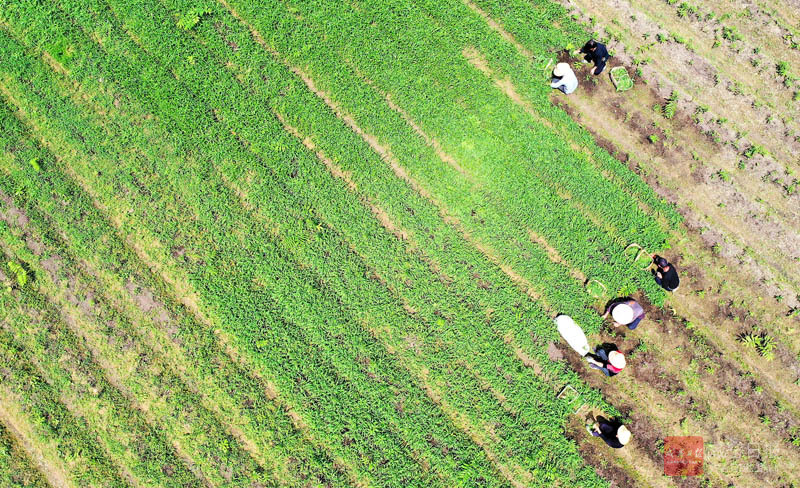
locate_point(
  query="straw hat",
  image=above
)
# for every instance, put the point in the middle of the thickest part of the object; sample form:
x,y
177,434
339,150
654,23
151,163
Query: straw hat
x,y
624,435
617,359
622,313
561,69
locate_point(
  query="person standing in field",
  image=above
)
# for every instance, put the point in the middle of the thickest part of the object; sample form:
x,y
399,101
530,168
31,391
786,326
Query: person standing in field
x,y
626,312
607,359
595,53
612,432
564,79
666,274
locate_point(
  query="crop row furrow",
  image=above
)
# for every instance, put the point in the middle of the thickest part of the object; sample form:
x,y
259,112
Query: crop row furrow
x,y
63,361
478,210
189,347
204,282
322,197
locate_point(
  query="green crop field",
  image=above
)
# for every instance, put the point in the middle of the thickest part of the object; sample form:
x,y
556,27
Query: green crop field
x,y
301,243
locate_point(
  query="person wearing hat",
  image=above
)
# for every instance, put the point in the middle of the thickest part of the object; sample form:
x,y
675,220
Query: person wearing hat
x,y
625,312
564,79
666,274
607,359
612,432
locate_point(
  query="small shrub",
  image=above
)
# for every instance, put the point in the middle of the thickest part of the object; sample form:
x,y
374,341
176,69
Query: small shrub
x,y
654,138
671,106
755,149
782,68
685,9
761,342
731,34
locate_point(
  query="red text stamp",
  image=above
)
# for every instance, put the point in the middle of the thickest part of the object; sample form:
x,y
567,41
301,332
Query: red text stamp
x,y
683,456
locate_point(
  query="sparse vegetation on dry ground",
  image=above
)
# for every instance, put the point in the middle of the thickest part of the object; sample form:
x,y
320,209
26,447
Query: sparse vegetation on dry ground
x,y
316,243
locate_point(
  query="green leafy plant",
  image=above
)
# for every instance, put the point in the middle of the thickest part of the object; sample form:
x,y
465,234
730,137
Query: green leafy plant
x,y
731,34
669,108
19,272
192,17
35,164
756,149
761,342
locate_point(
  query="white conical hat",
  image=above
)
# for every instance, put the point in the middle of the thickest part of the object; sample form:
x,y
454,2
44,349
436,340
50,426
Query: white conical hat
x,y
617,359
561,69
622,313
624,435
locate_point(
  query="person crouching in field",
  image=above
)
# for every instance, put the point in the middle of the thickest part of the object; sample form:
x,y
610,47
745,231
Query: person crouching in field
x,y
666,275
612,432
607,359
595,53
626,312
564,79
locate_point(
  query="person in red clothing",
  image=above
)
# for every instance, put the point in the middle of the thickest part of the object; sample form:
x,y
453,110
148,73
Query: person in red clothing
x,y
607,359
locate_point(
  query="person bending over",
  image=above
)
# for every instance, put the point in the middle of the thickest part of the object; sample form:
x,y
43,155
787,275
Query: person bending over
x,y
564,79
597,54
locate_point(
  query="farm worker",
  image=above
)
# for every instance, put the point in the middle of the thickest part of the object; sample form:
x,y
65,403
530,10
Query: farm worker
x,y
607,359
564,79
625,312
573,334
596,53
666,274
614,433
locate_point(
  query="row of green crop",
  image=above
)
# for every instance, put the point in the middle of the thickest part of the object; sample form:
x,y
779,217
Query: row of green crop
x,y
245,316
425,286
63,360
486,213
212,372
146,380
163,37
16,468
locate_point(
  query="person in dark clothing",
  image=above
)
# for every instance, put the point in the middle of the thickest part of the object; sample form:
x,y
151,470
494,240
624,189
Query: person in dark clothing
x,y
597,54
666,274
614,433
607,359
